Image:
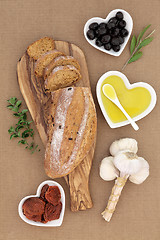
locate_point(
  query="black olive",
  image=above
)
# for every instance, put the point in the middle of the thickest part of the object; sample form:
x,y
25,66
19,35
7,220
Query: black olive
x,y
102,25
107,46
116,48
100,32
110,25
98,43
105,39
93,26
114,32
122,24
97,33
119,15
124,32
113,20
91,34
121,40
115,41
117,24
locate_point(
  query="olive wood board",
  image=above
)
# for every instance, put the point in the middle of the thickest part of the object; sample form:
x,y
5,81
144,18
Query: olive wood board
x,y
37,100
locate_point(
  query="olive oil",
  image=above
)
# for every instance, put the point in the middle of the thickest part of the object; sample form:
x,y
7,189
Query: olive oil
x,y
134,101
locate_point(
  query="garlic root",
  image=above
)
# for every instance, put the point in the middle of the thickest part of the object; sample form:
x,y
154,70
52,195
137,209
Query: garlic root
x,y
114,197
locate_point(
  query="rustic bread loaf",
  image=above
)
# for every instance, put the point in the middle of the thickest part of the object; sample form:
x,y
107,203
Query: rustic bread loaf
x,y
60,61
44,60
62,76
39,47
71,133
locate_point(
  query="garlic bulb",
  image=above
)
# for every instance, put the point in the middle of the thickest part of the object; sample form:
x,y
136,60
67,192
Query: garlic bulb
x,y
127,162
108,171
142,174
129,165
129,144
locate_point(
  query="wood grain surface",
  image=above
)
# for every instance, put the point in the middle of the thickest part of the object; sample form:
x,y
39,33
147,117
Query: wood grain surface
x,y
37,100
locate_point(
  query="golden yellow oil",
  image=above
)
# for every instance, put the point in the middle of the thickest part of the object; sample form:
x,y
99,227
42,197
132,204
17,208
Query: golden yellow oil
x,y
134,101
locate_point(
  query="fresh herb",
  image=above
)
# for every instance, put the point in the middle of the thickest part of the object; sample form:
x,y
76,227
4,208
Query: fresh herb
x,y
22,129
137,44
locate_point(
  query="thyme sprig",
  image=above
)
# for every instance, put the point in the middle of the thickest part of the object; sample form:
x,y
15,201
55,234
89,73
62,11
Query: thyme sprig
x,y
22,128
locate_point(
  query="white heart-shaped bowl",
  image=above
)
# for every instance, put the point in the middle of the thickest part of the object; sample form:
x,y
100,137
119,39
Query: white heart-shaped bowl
x,y
54,223
129,27
129,86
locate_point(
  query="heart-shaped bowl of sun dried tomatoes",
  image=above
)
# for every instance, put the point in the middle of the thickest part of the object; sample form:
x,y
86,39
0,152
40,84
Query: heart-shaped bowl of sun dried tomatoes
x,y
46,208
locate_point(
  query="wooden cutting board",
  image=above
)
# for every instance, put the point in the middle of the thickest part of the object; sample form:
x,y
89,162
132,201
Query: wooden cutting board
x,y
37,100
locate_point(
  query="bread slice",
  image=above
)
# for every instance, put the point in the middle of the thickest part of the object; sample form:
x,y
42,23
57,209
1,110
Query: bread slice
x,y
72,124
62,76
39,47
60,61
44,60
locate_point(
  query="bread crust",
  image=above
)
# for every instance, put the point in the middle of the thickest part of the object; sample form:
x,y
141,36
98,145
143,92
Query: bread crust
x,y
39,47
60,61
62,76
72,125
44,60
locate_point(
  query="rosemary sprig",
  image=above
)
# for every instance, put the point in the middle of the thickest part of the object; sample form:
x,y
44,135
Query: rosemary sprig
x,y
137,44
22,128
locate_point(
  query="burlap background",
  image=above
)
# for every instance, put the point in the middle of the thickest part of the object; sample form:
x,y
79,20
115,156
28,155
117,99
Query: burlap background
x,y
137,215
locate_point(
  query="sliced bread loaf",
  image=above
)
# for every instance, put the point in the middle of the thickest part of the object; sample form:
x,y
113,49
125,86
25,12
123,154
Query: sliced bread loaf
x,y
60,61
62,76
44,60
39,47
71,132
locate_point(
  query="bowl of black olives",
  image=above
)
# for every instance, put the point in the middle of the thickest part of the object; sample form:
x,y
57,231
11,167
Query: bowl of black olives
x,y
109,35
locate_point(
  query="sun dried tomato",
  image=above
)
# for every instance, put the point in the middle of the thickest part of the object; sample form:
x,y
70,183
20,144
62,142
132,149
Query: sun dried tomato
x,y
53,195
52,212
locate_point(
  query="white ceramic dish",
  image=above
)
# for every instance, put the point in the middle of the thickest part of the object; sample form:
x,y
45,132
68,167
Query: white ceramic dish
x,y
129,27
54,223
129,86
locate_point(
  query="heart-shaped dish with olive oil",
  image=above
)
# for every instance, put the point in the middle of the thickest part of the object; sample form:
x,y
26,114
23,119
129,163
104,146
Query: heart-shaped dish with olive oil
x,y
137,99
